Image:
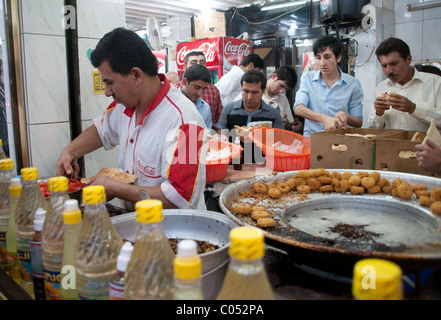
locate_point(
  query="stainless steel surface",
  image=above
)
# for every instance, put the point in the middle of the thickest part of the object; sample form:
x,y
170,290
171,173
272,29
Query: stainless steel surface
x,y
209,226
313,241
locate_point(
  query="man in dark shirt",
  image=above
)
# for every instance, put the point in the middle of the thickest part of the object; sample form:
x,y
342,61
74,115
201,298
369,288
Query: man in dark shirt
x,y
251,108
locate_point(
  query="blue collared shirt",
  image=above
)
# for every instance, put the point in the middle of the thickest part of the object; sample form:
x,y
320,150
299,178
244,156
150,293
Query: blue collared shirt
x,y
205,111
345,95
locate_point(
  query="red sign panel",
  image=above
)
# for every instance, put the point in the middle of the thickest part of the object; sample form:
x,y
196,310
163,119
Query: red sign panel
x,y
220,51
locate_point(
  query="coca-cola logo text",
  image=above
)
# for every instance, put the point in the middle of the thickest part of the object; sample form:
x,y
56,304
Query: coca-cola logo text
x,y
148,171
241,49
208,48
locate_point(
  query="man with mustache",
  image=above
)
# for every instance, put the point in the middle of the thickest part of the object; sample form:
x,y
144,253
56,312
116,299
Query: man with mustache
x,y
407,99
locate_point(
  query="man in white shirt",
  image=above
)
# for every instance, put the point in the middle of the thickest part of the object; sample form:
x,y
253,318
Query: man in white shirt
x,y
161,136
282,79
229,85
408,99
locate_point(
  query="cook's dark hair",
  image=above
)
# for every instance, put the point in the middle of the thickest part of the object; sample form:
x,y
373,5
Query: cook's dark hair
x,y
328,42
191,54
255,59
254,76
197,72
124,50
393,45
288,74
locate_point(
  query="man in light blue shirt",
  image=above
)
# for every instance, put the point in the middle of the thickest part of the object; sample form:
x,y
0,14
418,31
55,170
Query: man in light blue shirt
x,y
194,82
328,98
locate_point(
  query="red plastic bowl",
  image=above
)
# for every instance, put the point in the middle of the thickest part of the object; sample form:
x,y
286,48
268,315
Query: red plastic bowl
x,y
217,169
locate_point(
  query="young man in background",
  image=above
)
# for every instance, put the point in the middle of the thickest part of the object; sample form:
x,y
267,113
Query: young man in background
x,y
328,98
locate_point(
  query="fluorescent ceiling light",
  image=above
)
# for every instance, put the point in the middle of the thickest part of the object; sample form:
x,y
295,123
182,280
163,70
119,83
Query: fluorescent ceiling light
x,y
285,5
423,5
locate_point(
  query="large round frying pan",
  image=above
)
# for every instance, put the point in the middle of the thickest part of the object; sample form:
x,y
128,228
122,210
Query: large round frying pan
x,y
332,231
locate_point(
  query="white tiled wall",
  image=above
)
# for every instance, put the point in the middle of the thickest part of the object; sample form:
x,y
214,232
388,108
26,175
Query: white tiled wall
x,y
45,81
95,19
45,76
419,29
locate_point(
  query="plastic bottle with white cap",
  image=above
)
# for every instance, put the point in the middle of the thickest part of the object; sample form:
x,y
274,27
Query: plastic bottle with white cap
x,y
36,252
188,270
72,227
116,284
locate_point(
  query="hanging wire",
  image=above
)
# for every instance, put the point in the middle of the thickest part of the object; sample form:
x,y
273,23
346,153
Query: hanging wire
x,y
243,18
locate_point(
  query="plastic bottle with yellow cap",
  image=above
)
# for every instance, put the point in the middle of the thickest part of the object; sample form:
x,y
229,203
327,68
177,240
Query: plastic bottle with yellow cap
x,y
97,248
377,279
188,285
53,237
31,198
11,235
2,152
150,273
72,226
6,174
246,277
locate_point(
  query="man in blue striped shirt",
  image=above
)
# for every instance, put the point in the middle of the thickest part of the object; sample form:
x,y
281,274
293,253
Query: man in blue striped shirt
x,y
328,98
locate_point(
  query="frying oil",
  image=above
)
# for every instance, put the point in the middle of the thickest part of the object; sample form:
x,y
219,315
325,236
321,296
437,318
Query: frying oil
x,y
246,277
150,272
53,237
31,198
98,247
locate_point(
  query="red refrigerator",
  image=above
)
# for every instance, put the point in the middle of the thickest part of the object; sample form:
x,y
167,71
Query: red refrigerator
x,y
221,54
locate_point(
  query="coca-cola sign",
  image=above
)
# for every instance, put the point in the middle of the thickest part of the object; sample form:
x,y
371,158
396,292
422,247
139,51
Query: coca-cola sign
x,y
240,49
210,47
218,51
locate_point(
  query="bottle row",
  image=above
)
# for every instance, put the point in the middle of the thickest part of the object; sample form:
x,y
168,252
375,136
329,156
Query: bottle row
x,y
55,251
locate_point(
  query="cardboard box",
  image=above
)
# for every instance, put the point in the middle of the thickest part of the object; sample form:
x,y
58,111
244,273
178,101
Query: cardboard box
x,y
210,26
388,157
358,152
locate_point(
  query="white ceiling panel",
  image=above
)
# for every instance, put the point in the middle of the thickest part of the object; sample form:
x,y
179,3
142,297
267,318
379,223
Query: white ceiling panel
x,y
137,11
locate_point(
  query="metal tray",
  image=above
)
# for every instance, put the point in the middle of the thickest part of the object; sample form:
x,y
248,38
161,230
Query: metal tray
x,y
335,230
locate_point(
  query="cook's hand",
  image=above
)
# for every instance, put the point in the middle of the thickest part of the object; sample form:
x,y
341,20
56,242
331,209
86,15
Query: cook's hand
x,y
381,105
64,165
109,185
342,118
400,103
331,123
429,157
